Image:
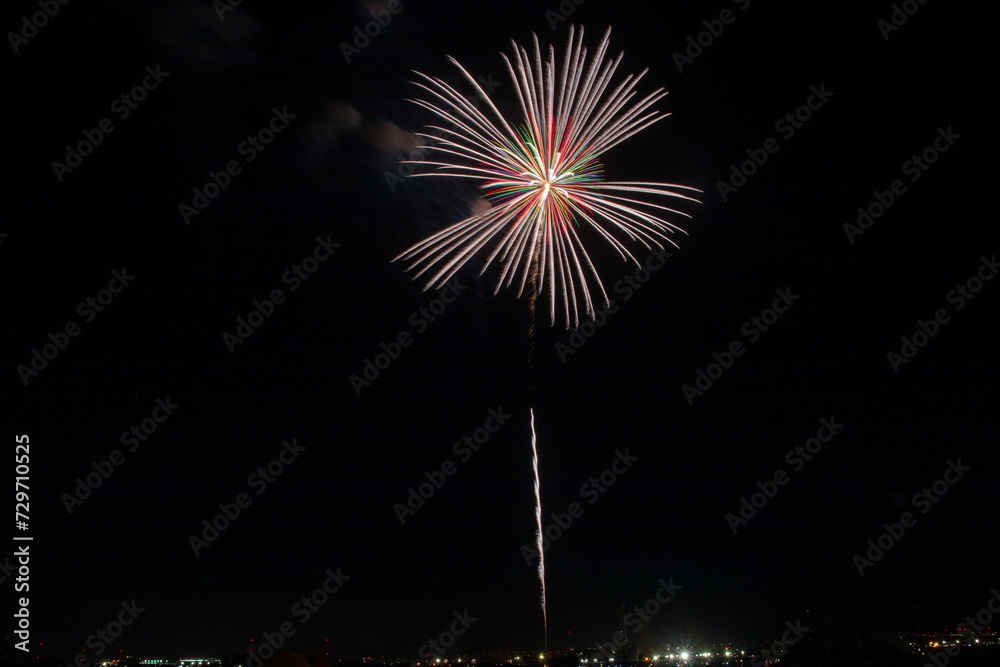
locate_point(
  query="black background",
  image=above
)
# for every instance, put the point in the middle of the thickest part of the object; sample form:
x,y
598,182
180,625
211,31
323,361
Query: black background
x,y
333,507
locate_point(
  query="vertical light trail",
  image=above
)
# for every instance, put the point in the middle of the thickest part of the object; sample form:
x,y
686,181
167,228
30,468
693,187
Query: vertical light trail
x,y
538,517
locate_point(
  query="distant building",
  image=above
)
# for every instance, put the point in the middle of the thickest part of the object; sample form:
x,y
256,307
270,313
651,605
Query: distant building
x,y
628,653
299,659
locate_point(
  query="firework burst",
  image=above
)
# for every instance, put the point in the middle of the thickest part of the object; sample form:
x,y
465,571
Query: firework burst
x,y
543,176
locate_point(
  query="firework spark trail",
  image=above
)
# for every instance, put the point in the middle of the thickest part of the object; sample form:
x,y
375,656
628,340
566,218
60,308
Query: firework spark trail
x,y
543,176
538,517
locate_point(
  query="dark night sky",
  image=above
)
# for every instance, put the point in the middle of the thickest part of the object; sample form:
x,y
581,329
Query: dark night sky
x,y
333,506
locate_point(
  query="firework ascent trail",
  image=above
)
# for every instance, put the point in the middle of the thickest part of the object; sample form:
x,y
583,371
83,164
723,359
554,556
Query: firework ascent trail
x,y
538,517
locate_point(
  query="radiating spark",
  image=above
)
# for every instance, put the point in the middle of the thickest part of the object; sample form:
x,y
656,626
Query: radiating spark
x,y
543,175
538,517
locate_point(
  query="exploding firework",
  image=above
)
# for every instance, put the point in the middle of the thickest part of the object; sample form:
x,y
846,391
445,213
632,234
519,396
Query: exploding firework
x,y
543,176
538,518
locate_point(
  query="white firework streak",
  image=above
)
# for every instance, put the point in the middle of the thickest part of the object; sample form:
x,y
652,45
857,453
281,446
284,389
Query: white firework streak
x,y
538,518
545,178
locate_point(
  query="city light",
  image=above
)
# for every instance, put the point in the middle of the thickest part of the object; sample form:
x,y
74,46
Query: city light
x,y
688,654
